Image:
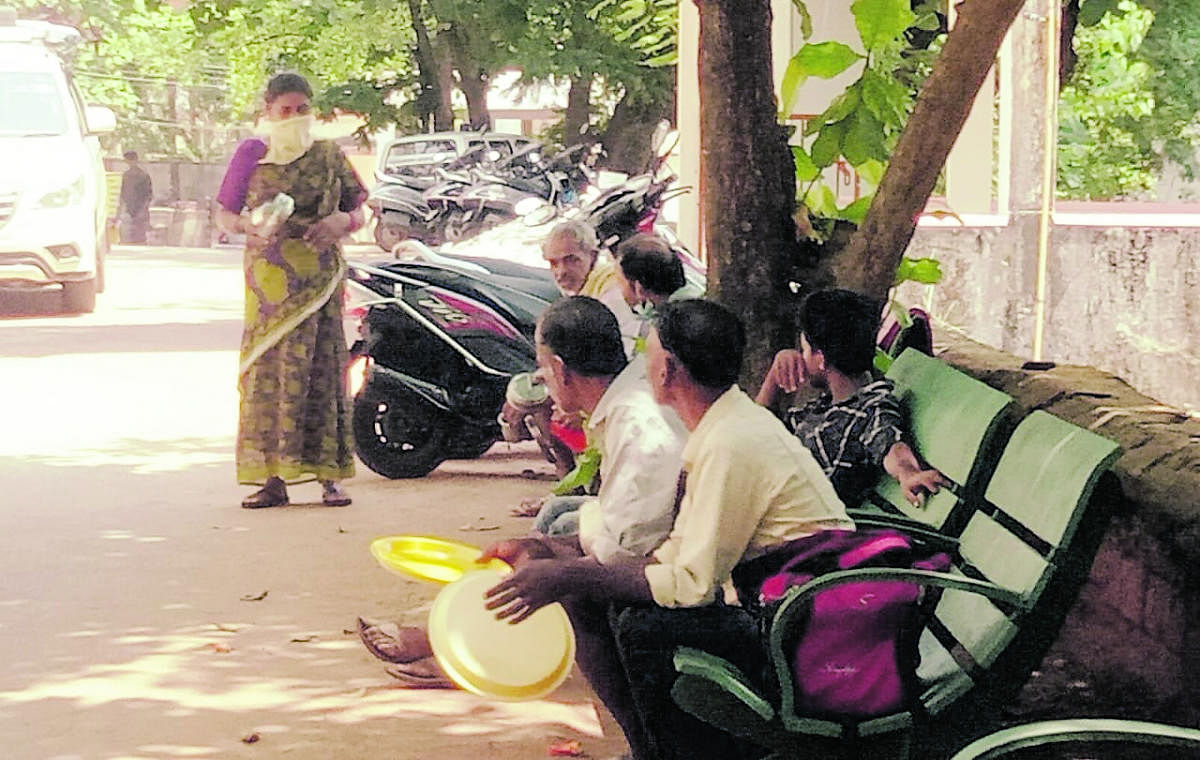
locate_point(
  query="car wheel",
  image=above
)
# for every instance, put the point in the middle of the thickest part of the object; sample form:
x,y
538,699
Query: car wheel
x,y
399,436
79,297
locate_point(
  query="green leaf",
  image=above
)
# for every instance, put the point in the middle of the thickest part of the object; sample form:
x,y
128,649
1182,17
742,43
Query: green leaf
x,y
821,201
881,21
806,170
793,79
1092,11
928,22
864,139
887,98
825,59
871,171
828,145
856,211
882,361
805,18
842,107
925,271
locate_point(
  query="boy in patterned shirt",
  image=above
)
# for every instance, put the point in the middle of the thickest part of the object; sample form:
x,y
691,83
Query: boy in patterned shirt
x,y
856,427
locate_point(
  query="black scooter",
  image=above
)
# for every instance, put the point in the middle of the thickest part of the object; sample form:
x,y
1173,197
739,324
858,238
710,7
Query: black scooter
x,y
438,347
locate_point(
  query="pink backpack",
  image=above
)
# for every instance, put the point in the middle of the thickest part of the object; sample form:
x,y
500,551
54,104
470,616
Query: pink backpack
x,y
857,653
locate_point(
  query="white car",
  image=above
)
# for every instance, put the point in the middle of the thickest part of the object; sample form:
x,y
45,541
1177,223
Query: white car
x,y
53,197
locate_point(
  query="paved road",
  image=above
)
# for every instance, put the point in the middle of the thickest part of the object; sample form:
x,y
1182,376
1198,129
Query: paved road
x,y
123,629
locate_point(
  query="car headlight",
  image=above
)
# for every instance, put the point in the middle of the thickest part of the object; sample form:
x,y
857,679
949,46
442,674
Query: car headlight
x,y
66,196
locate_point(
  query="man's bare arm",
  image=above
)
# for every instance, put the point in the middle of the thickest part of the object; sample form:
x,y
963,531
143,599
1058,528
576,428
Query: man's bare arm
x,y
540,582
915,481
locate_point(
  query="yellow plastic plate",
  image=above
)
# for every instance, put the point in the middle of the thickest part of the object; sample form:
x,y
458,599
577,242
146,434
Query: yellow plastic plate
x,y
429,558
494,658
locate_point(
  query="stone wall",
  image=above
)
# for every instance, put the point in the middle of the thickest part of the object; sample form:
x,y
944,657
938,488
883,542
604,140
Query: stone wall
x,y
1131,645
1124,299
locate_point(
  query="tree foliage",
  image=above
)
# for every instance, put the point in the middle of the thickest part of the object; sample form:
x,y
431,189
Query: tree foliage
x,y
862,124
1134,97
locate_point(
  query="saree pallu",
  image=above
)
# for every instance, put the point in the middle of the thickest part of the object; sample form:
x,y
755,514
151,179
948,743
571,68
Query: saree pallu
x,y
294,420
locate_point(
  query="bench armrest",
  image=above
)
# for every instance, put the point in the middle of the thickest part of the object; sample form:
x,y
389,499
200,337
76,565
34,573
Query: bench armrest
x,y
792,612
724,674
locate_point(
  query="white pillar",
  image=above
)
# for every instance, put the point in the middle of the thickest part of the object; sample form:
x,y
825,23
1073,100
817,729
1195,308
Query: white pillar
x,y
687,120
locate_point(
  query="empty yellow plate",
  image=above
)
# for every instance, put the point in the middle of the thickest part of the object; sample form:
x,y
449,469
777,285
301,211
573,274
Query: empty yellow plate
x,y
494,658
429,558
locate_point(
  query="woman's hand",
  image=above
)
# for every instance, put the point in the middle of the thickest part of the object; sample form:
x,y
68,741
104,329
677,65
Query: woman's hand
x,y
330,229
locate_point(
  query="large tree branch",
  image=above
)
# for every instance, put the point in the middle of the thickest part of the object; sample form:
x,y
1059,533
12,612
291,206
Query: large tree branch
x,y
942,107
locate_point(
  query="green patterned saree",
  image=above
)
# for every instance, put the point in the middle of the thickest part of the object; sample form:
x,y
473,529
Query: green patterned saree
x,y
293,419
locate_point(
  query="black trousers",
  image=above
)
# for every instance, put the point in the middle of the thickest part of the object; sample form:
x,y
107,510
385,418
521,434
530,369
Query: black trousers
x,y
627,654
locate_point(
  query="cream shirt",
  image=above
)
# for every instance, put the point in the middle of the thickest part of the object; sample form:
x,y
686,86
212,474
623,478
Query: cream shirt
x,y
641,455
601,284
751,486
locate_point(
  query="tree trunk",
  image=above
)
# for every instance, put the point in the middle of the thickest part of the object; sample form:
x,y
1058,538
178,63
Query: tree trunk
x,y
626,138
578,108
472,79
435,98
749,179
869,262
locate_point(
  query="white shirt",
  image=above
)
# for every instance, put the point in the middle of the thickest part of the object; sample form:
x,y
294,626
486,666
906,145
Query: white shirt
x,y
641,455
751,486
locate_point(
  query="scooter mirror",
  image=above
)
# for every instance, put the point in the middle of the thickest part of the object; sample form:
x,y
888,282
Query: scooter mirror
x,y
659,135
670,140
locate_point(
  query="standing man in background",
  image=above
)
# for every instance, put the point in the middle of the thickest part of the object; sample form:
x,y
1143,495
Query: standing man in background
x,y
136,192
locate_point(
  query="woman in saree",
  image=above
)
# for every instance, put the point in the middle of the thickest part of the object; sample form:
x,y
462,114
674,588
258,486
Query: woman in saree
x,y
293,421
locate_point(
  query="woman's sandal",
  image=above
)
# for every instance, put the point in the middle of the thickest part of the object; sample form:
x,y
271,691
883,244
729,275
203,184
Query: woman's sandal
x,y
332,495
265,497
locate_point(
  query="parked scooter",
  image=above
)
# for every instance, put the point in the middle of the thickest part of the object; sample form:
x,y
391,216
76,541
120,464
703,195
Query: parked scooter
x,y
439,346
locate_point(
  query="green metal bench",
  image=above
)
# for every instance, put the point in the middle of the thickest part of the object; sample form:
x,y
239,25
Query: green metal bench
x,y
1109,731
1018,565
955,423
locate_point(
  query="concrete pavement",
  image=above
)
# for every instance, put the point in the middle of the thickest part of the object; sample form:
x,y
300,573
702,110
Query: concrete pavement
x,y
130,619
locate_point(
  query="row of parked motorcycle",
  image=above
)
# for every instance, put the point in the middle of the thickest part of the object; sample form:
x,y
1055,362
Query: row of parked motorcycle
x,y
444,330
476,191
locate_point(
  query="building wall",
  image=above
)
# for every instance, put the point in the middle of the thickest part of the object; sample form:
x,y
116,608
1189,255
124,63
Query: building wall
x,y
1124,299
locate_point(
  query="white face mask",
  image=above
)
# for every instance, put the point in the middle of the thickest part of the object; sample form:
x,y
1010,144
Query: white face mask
x,y
288,139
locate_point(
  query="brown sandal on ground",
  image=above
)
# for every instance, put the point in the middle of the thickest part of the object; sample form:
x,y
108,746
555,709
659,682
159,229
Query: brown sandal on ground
x,y
265,497
421,674
332,495
387,641
529,507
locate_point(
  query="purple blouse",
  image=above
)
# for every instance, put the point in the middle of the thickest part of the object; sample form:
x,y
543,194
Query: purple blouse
x,y
232,195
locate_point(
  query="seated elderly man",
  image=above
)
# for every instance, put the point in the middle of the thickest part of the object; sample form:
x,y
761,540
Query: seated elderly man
x,y
581,361
751,489
573,253
855,429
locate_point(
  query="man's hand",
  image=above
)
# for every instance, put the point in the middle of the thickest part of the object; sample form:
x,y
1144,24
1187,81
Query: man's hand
x,y
516,551
533,586
786,374
328,230
917,485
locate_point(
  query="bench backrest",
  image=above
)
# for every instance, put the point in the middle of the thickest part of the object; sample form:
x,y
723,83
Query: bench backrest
x,y
954,421
1025,537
